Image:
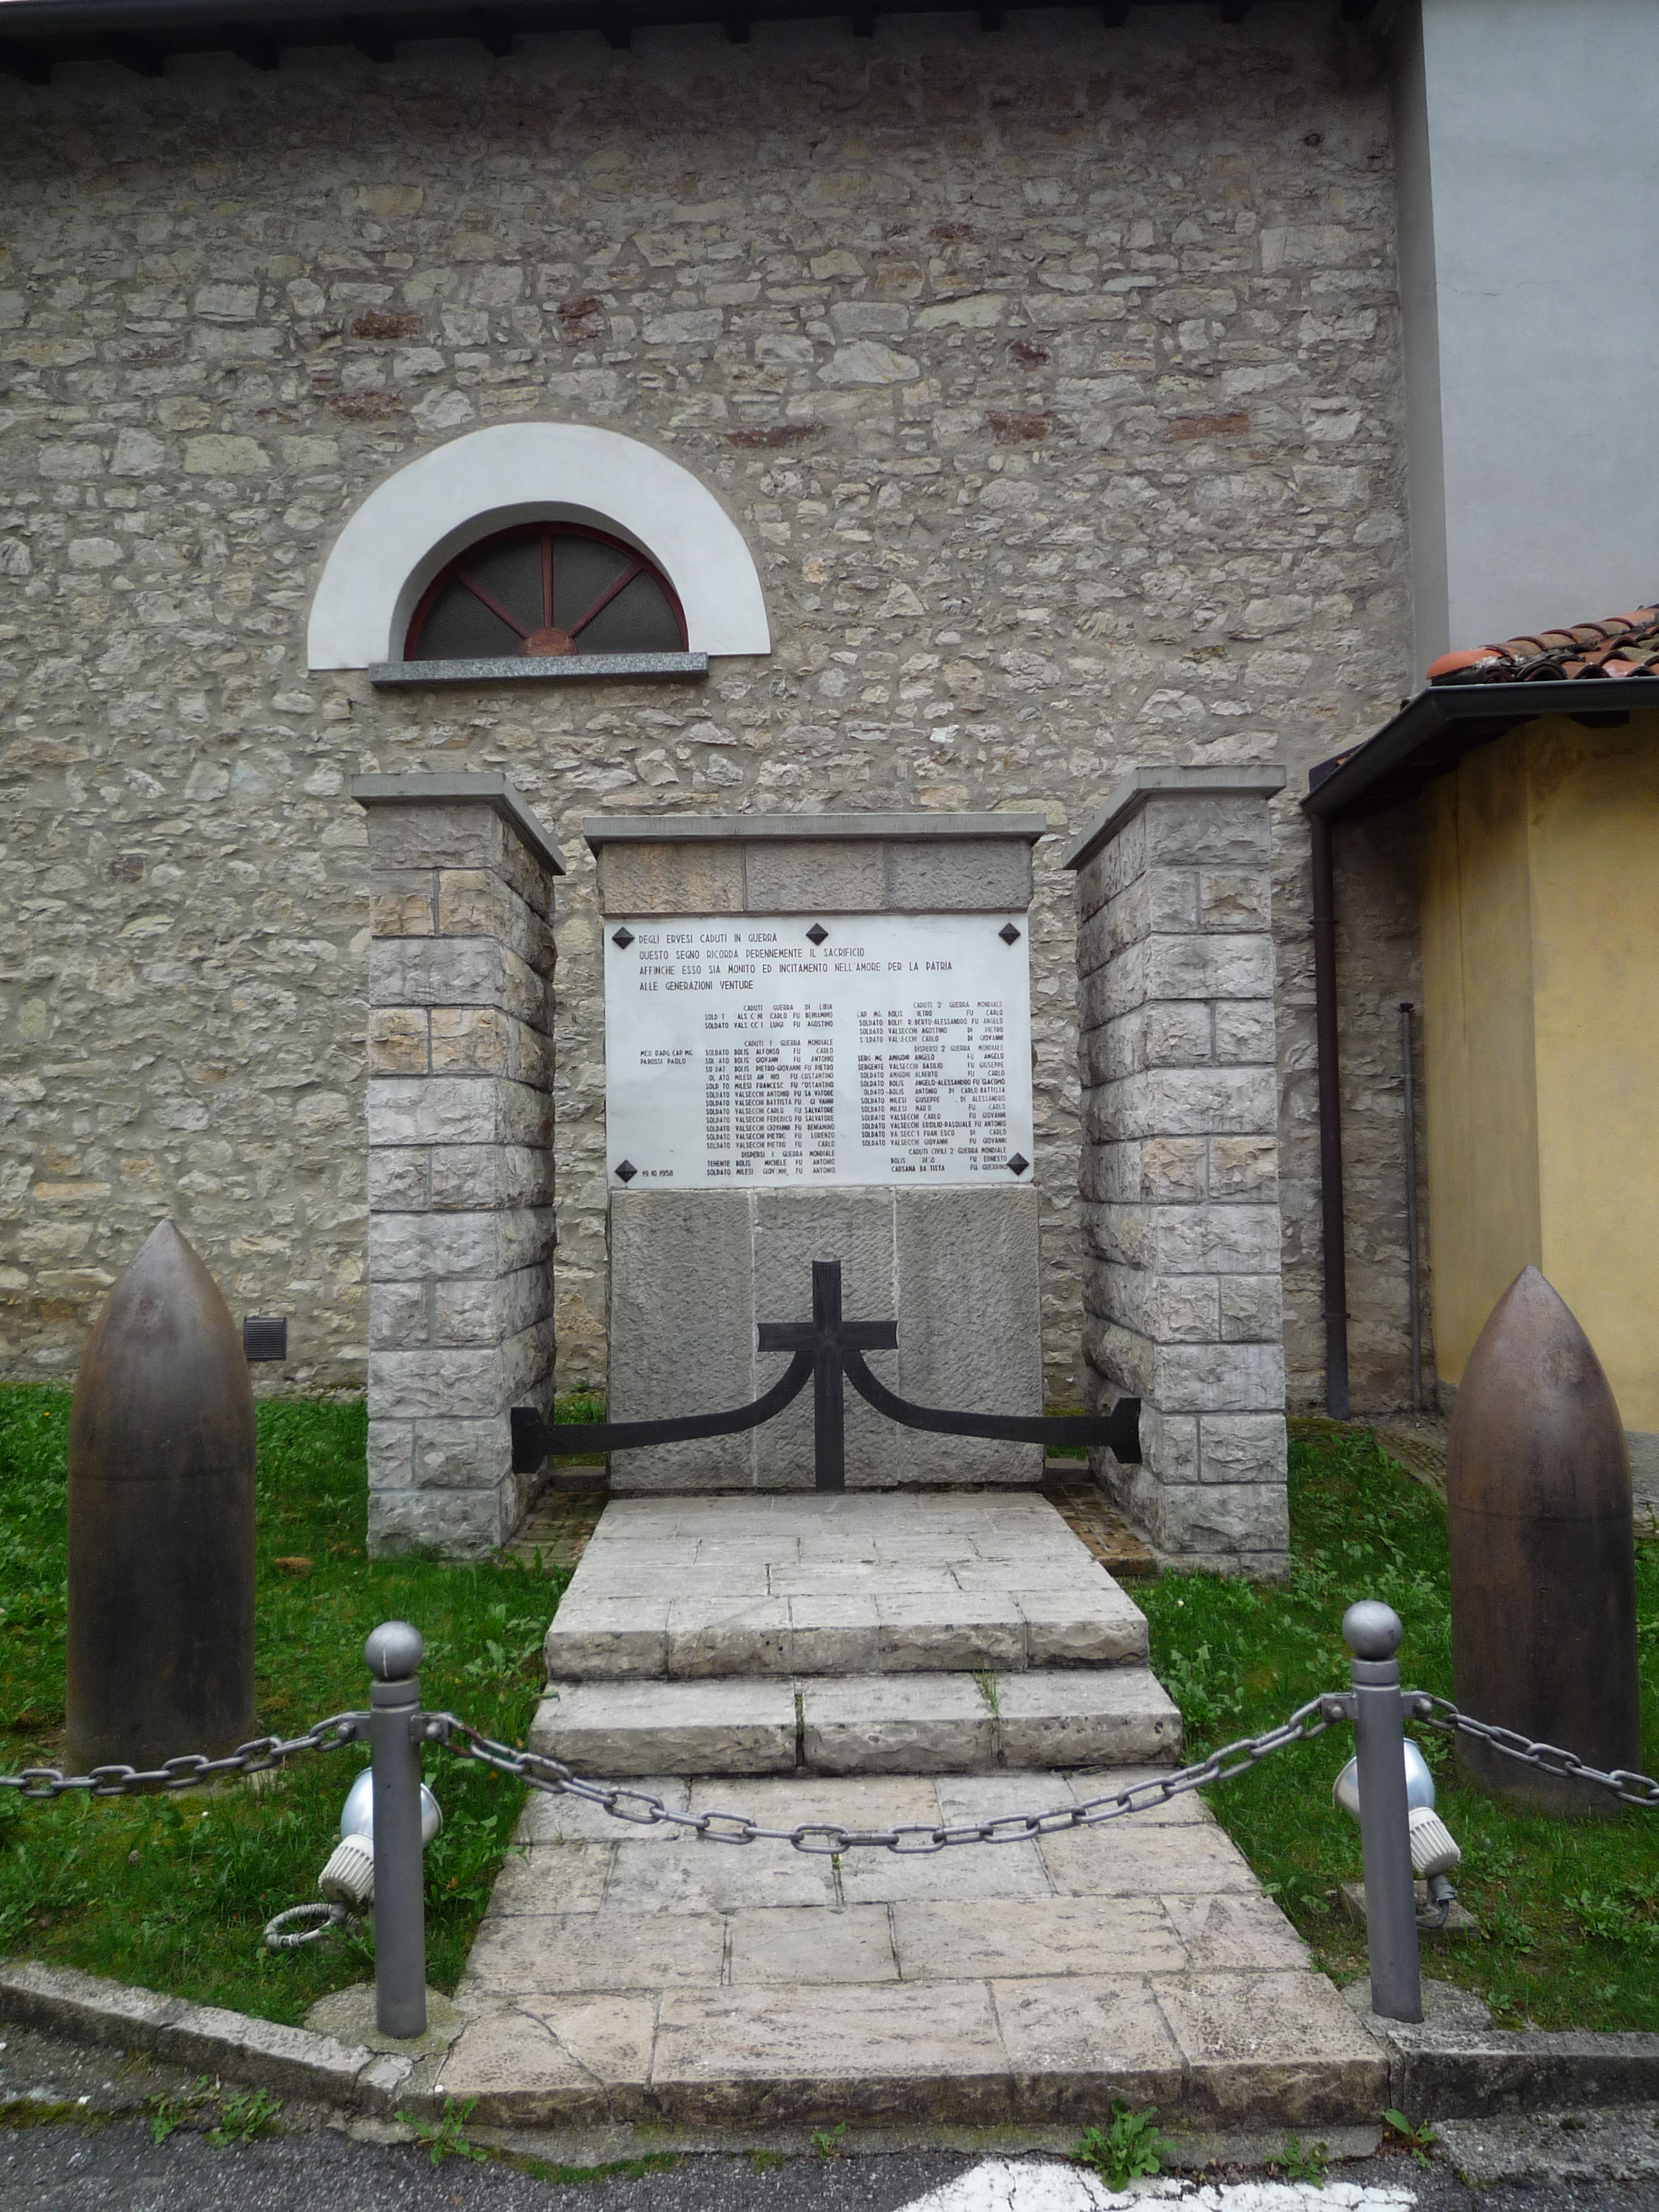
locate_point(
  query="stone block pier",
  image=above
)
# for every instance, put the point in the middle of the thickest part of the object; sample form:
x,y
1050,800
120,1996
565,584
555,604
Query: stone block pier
x,y
1182,1230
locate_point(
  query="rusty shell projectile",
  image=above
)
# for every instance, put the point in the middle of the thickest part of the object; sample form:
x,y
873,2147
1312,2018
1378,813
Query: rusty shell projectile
x,y
161,1520
1543,1558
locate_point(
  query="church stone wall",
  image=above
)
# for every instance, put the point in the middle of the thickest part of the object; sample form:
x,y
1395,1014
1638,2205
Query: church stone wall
x,y
1052,375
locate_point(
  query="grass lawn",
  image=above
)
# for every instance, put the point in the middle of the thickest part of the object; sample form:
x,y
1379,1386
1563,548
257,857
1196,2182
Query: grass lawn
x,y
1567,1911
174,1892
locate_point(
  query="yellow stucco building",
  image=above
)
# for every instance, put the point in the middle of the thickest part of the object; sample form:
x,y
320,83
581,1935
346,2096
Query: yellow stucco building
x,y
1522,789
1540,894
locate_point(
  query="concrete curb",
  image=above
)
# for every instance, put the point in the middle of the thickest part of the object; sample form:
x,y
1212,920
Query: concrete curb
x,y
291,2061
1479,2074
1456,2065
1453,2066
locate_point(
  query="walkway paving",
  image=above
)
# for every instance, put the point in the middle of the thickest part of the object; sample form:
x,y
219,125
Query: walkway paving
x,y
630,1974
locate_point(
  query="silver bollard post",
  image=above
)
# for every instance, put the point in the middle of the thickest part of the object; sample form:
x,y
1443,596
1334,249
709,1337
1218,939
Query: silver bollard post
x,y
1372,1633
393,1653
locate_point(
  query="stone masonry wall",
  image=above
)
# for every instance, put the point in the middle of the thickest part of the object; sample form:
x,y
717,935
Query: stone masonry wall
x,y
1378,963
1053,376
1181,1290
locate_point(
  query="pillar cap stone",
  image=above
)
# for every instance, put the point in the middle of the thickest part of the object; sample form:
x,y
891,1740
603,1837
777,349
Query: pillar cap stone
x,y
600,829
461,788
1257,781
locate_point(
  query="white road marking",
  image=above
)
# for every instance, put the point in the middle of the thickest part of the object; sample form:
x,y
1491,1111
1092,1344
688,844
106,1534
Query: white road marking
x,y
1002,2185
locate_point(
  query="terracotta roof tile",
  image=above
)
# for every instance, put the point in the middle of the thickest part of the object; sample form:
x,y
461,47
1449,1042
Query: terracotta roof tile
x,y
1622,645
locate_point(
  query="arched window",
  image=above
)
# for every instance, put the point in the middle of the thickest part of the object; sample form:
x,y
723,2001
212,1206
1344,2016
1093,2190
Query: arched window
x,y
532,551
542,592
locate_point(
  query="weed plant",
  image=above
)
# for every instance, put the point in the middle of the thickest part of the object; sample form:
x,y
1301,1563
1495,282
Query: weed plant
x,y
1566,1912
448,2137
174,1892
1127,2149
581,1406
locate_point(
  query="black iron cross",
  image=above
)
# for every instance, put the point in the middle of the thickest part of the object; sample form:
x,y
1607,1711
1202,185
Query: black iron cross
x,y
824,1336
825,1349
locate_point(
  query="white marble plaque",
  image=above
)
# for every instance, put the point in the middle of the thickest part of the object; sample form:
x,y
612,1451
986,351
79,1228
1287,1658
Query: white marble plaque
x,y
739,1051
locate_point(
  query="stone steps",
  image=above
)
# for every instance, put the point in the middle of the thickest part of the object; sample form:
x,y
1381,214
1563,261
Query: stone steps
x,y
614,1638
916,1723
919,1661
693,1588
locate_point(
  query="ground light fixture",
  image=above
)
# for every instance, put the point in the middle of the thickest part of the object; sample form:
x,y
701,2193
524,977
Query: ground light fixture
x,y
349,1877
1434,1852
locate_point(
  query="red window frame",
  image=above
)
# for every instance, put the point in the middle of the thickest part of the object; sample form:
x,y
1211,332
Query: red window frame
x,y
547,641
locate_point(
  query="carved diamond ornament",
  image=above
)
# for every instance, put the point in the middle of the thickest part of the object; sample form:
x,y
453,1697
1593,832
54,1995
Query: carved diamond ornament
x,y
626,1171
1018,1164
622,939
817,932
1008,933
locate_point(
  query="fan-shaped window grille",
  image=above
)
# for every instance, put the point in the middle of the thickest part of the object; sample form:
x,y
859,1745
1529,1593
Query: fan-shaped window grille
x,y
546,590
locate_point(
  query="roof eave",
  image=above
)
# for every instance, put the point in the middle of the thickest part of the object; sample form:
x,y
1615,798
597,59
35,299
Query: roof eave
x,y
140,34
1390,765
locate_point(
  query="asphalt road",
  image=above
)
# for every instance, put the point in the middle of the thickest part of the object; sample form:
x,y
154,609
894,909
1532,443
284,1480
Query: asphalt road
x,y
103,2159
69,2168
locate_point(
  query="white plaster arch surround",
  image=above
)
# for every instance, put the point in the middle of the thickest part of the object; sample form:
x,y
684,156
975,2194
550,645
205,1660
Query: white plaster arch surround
x,y
418,519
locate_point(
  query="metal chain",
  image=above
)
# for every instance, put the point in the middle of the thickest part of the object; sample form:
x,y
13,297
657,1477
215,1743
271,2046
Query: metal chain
x,y
830,1837
190,1768
1441,1713
540,1770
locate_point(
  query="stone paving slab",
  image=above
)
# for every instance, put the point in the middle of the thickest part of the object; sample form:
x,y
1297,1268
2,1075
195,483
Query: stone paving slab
x,y
624,1974
803,1584
736,1727
915,1723
897,1724
1081,1717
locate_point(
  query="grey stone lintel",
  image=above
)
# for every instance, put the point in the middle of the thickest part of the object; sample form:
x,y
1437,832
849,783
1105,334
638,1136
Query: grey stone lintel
x,y
483,788
1128,797
539,668
777,864
601,830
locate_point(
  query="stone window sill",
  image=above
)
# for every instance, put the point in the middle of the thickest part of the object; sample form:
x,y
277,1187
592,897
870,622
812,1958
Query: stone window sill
x,y
552,669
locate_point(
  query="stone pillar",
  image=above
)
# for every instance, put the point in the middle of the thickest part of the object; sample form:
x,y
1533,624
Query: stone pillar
x,y
1179,1169
461,1159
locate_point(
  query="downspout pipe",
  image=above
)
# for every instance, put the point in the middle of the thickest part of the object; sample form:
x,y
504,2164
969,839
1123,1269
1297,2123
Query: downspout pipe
x,y
1332,1235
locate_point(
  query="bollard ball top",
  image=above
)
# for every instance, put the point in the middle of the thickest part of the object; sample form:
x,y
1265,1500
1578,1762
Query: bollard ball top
x,y
1372,1630
393,1651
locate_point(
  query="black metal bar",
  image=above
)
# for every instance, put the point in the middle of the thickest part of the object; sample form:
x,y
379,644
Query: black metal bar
x,y
1119,1431
1332,1236
826,1348
829,1418
535,1439
826,1336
